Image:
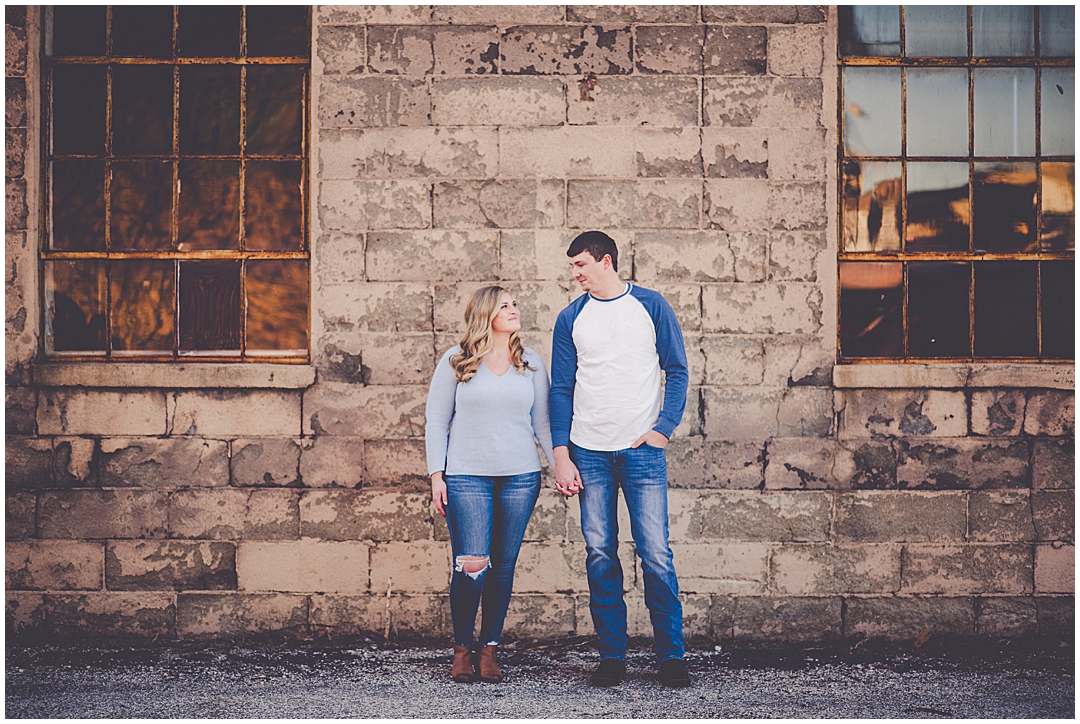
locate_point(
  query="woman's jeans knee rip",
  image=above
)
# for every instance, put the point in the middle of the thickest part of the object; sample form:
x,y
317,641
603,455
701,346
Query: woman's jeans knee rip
x,y
486,516
461,561
641,474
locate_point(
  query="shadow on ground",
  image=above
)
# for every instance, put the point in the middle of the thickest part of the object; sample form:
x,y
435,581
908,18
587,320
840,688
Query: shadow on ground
x,y
361,678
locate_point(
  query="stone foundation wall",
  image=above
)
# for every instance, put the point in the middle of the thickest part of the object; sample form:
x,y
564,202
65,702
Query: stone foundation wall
x,y
455,146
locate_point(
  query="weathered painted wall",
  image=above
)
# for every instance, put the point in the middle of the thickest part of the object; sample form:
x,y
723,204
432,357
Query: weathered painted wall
x,y
453,146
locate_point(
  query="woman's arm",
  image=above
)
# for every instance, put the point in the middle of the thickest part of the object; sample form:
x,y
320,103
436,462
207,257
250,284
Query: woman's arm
x,y
540,420
439,412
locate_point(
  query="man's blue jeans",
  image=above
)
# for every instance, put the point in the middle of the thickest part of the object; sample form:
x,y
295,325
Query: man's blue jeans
x,y
641,473
487,516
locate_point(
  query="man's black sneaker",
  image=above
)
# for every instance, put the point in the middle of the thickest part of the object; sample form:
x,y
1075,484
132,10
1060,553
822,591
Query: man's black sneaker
x,y
609,673
673,673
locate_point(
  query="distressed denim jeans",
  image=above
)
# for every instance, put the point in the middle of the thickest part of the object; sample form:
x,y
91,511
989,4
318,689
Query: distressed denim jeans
x,y
641,473
486,516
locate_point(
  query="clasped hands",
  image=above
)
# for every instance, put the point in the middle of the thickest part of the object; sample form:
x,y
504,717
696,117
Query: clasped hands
x,y
568,479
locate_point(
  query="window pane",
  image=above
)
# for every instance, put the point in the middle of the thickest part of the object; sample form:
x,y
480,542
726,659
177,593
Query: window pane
x,y
1058,309
938,212
75,306
938,309
1057,30
275,96
78,205
78,109
277,308
870,30
871,294
937,115
142,31
78,30
273,207
1003,31
1058,111
872,111
277,30
142,294
142,115
210,305
209,205
935,30
1005,309
1004,112
1058,206
210,109
141,215
872,209
209,31
1004,198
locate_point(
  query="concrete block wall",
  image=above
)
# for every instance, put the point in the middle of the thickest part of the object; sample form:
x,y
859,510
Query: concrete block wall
x,y
453,146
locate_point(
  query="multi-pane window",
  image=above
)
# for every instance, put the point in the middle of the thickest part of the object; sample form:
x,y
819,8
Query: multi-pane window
x,y
957,168
176,182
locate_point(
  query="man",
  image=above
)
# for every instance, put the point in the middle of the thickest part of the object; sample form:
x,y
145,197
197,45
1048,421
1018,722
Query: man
x,y
609,429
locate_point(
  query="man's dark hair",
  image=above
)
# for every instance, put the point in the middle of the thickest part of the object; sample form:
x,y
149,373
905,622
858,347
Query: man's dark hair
x,y
596,243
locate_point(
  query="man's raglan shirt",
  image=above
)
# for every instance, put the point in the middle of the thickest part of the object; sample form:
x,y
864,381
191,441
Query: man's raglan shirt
x,y
606,360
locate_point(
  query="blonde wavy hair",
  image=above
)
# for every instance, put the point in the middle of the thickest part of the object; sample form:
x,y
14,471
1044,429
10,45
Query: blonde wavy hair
x,y
480,312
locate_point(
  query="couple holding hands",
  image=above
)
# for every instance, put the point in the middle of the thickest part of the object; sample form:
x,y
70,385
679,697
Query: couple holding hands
x,y
603,424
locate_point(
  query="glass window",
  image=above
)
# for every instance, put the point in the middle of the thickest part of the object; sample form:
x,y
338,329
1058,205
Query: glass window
x,y
870,30
872,111
1003,30
176,194
1004,111
1058,111
1057,31
937,112
935,30
938,208
957,204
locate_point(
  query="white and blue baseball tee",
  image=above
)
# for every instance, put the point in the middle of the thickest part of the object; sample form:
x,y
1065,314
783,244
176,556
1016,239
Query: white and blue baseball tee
x,y
607,356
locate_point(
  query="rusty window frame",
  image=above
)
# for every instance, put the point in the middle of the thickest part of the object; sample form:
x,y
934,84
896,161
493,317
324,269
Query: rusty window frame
x,y
242,255
969,62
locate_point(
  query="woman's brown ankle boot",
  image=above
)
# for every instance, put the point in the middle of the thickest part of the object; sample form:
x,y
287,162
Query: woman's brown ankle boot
x,y
489,670
462,670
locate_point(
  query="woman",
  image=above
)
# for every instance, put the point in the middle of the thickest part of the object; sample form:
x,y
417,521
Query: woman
x,y
488,401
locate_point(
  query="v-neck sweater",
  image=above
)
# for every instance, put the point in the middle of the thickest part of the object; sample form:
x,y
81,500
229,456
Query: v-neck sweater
x,y
488,425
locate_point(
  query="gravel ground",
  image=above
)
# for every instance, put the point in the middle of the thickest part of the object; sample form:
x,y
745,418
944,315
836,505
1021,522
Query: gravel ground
x,y
295,680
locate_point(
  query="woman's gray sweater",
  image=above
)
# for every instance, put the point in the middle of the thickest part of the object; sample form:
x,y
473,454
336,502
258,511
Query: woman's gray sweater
x,y
487,426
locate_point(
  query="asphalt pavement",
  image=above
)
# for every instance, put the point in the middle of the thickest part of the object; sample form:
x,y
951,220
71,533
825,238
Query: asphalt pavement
x,y
295,679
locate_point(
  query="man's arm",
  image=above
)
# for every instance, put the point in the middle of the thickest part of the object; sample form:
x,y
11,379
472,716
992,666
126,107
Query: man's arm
x,y
672,353
563,378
